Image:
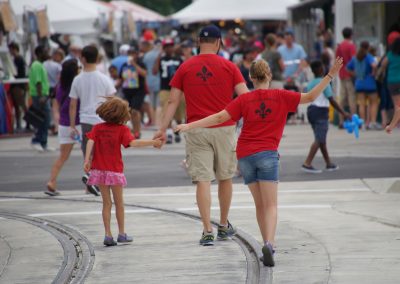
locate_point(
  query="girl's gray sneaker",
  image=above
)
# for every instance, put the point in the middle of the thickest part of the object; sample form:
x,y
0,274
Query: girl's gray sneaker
x,y
109,241
124,238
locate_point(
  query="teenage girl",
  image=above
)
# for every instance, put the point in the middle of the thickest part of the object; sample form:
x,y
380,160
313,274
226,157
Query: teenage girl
x,y
264,113
104,161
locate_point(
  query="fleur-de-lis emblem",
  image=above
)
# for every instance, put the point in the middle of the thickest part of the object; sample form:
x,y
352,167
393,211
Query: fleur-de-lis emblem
x,y
204,74
263,111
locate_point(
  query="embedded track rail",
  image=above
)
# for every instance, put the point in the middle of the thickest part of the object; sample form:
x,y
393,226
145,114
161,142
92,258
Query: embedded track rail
x,y
79,253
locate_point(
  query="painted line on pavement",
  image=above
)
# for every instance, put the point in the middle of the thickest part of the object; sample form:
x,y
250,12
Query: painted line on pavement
x,y
172,194
185,209
214,193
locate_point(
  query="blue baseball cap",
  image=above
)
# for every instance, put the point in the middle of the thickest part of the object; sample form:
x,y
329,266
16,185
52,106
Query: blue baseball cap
x,y
210,31
289,31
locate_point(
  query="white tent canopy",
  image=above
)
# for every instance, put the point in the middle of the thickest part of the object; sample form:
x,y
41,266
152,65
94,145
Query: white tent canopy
x,y
212,10
75,17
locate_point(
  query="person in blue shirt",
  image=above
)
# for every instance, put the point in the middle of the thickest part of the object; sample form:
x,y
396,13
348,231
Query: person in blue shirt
x,y
293,55
362,68
318,116
122,58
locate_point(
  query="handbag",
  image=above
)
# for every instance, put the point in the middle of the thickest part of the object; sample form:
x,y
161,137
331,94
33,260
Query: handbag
x,y
35,116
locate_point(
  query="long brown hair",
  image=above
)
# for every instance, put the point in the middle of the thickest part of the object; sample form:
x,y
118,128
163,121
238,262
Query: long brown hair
x,y
114,110
363,50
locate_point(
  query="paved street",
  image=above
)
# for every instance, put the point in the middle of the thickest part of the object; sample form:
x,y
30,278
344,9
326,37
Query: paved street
x,y
339,227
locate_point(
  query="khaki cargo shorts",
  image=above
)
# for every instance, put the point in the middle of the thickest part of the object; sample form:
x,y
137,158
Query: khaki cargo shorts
x,y
211,153
180,112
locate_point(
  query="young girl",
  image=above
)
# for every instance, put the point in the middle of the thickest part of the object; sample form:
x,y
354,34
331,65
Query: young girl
x,y
105,162
61,105
264,115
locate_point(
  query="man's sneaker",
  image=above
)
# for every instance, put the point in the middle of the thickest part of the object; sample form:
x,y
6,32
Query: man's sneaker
x,y
124,238
268,255
177,138
207,239
37,147
332,167
90,188
226,233
310,169
109,241
169,139
49,149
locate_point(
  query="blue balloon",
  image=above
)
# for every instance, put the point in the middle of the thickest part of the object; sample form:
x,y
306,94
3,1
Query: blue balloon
x,y
354,125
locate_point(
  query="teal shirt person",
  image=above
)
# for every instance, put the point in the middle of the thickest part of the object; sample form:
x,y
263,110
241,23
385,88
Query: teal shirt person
x,y
38,74
393,73
323,99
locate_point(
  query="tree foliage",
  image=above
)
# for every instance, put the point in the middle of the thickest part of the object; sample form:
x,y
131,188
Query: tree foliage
x,y
164,7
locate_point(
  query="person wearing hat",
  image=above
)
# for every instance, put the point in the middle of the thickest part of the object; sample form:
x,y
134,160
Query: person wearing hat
x,y
208,81
293,55
167,64
121,58
133,82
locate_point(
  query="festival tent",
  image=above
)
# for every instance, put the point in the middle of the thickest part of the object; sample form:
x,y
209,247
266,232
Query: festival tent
x,y
77,17
211,10
139,13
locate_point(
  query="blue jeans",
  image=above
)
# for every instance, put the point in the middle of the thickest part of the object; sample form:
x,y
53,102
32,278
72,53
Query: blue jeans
x,y
261,166
40,136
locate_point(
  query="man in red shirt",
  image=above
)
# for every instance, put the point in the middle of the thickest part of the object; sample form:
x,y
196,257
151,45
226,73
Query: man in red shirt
x,y
208,82
346,49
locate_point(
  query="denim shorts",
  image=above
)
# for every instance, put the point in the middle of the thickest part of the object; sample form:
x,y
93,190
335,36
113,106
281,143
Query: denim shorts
x,y
262,166
318,118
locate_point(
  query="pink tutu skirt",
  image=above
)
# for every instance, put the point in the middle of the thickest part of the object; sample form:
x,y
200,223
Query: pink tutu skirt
x,y
97,177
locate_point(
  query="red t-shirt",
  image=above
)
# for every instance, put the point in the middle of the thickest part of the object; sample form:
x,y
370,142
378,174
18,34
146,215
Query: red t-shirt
x,y
346,49
264,115
108,139
208,82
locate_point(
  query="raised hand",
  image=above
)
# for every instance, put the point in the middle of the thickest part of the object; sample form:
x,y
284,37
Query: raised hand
x,y
336,67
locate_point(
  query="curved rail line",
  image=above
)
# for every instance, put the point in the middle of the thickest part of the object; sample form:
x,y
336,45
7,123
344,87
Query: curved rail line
x,y
78,252
256,271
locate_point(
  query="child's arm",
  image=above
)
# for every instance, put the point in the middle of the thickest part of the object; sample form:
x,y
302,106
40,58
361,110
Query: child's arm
x,y
318,89
210,120
394,122
89,148
157,143
337,107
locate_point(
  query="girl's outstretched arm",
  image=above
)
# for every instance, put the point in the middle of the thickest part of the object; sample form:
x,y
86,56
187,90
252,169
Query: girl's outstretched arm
x,y
144,143
211,120
89,148
318,89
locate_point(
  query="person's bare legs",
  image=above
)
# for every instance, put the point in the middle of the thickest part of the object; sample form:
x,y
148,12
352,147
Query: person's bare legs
x,y
311,154
373,107
269,197
135,119
203,197
361,105
260,210
65,151
325,154
148,109
225,198
119,207
107,204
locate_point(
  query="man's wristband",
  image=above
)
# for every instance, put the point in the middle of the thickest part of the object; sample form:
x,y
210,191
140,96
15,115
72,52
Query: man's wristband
x,y
329,75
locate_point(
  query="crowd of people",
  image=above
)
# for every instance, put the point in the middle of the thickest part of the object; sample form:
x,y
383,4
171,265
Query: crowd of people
x,y
157,82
